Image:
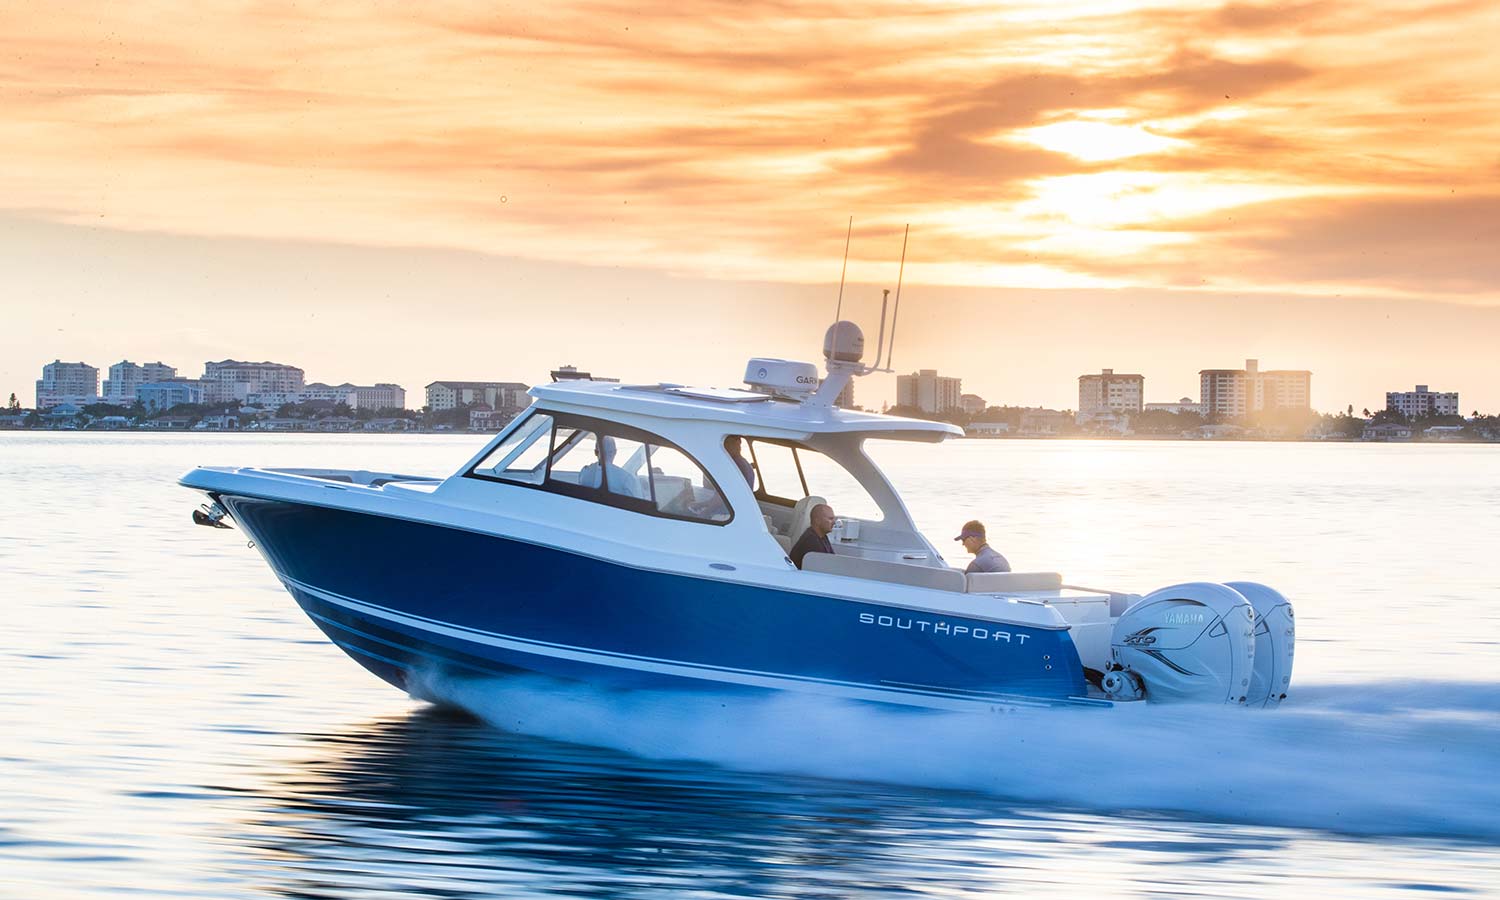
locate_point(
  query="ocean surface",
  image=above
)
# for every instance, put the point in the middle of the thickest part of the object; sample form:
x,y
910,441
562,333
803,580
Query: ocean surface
x,y
172,726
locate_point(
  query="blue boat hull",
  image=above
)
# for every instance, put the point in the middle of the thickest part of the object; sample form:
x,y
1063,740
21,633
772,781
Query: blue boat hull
x,y
405,597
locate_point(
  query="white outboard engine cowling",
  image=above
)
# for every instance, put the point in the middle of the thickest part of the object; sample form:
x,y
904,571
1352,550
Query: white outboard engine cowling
x,y
1185,642
1275,641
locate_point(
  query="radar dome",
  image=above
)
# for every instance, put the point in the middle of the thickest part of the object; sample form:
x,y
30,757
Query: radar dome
x,y
844,342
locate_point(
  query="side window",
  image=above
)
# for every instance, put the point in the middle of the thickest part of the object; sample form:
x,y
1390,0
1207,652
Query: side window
x,y
522,456
624,467
780,476
680,487
575,458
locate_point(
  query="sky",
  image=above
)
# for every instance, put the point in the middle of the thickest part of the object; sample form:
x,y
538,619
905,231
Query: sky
x,y
414,192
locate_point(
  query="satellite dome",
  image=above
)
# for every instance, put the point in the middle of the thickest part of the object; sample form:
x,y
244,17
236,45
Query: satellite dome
x,y
844,342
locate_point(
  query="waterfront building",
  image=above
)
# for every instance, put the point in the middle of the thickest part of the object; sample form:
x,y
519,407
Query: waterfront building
x,y
157,396
354,396
1239,392
125,376
381,395
1109,392
482,418
444,395
391,424
1184,405
930,392
1387,431
1044,421
972,404
217,423
344,393
987,429
71,383
231,380
1421,403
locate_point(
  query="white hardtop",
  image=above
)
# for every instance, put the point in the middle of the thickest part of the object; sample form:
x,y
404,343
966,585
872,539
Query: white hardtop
x,y
739,411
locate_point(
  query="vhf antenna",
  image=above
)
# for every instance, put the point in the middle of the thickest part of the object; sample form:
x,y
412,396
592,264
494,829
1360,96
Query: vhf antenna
x,y
883,351
896,313
847,235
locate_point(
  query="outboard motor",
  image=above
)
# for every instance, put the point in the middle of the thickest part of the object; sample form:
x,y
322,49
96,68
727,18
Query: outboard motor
x,y
1186,642
1275,640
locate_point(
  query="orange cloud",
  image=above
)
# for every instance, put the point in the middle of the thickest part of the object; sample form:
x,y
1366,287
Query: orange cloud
x,y
735,140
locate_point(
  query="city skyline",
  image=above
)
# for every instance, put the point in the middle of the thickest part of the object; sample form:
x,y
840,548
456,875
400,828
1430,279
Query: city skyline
x,y
407,193
1249,390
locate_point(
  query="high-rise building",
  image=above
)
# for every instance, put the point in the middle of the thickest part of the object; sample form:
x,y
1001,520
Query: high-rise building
x,y
1421,403
1223,392
1109,392
75,383
1239,392
930,392
497,395
845,399
125,376
1283,389
230,380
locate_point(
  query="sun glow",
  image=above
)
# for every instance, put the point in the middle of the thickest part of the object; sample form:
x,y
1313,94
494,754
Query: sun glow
x,y
1098,141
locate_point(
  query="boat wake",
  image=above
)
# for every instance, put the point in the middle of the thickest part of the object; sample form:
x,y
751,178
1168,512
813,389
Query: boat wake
x,y
1399,758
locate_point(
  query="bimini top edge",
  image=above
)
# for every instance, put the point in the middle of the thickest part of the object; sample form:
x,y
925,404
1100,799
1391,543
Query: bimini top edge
x,y
738,410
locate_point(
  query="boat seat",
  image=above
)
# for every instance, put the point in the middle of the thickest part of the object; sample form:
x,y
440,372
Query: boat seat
x,y
802,516
937,579
668,487
784,541
1009,582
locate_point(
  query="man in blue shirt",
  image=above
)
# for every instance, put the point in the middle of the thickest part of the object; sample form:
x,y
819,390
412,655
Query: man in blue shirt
x,y
986,558
815,538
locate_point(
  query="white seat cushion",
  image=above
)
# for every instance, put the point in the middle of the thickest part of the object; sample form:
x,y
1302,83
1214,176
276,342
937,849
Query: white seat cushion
x,y
802,516
1012,582
943,579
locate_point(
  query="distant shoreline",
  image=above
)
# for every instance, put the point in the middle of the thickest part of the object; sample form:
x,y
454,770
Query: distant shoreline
x,y
1155,438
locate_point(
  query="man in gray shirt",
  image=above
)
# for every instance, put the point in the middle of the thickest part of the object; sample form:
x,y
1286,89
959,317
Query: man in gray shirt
x,y
986,558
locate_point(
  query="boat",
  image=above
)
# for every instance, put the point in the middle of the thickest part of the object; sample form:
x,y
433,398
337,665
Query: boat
x,y
632,536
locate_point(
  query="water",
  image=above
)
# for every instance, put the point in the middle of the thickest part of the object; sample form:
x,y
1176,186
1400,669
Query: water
x,y
170,724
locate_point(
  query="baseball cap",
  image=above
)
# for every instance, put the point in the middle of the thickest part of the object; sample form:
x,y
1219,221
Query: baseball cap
x,y
972,528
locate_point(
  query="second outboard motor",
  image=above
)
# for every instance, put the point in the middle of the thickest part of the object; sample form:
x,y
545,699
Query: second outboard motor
x,y
1186,642
1275,640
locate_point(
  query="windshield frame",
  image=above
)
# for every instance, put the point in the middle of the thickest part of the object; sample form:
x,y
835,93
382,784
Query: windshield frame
x,y
599,428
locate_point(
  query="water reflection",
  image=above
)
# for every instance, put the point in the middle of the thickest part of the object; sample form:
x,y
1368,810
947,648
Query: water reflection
x,y
444,806
437,804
